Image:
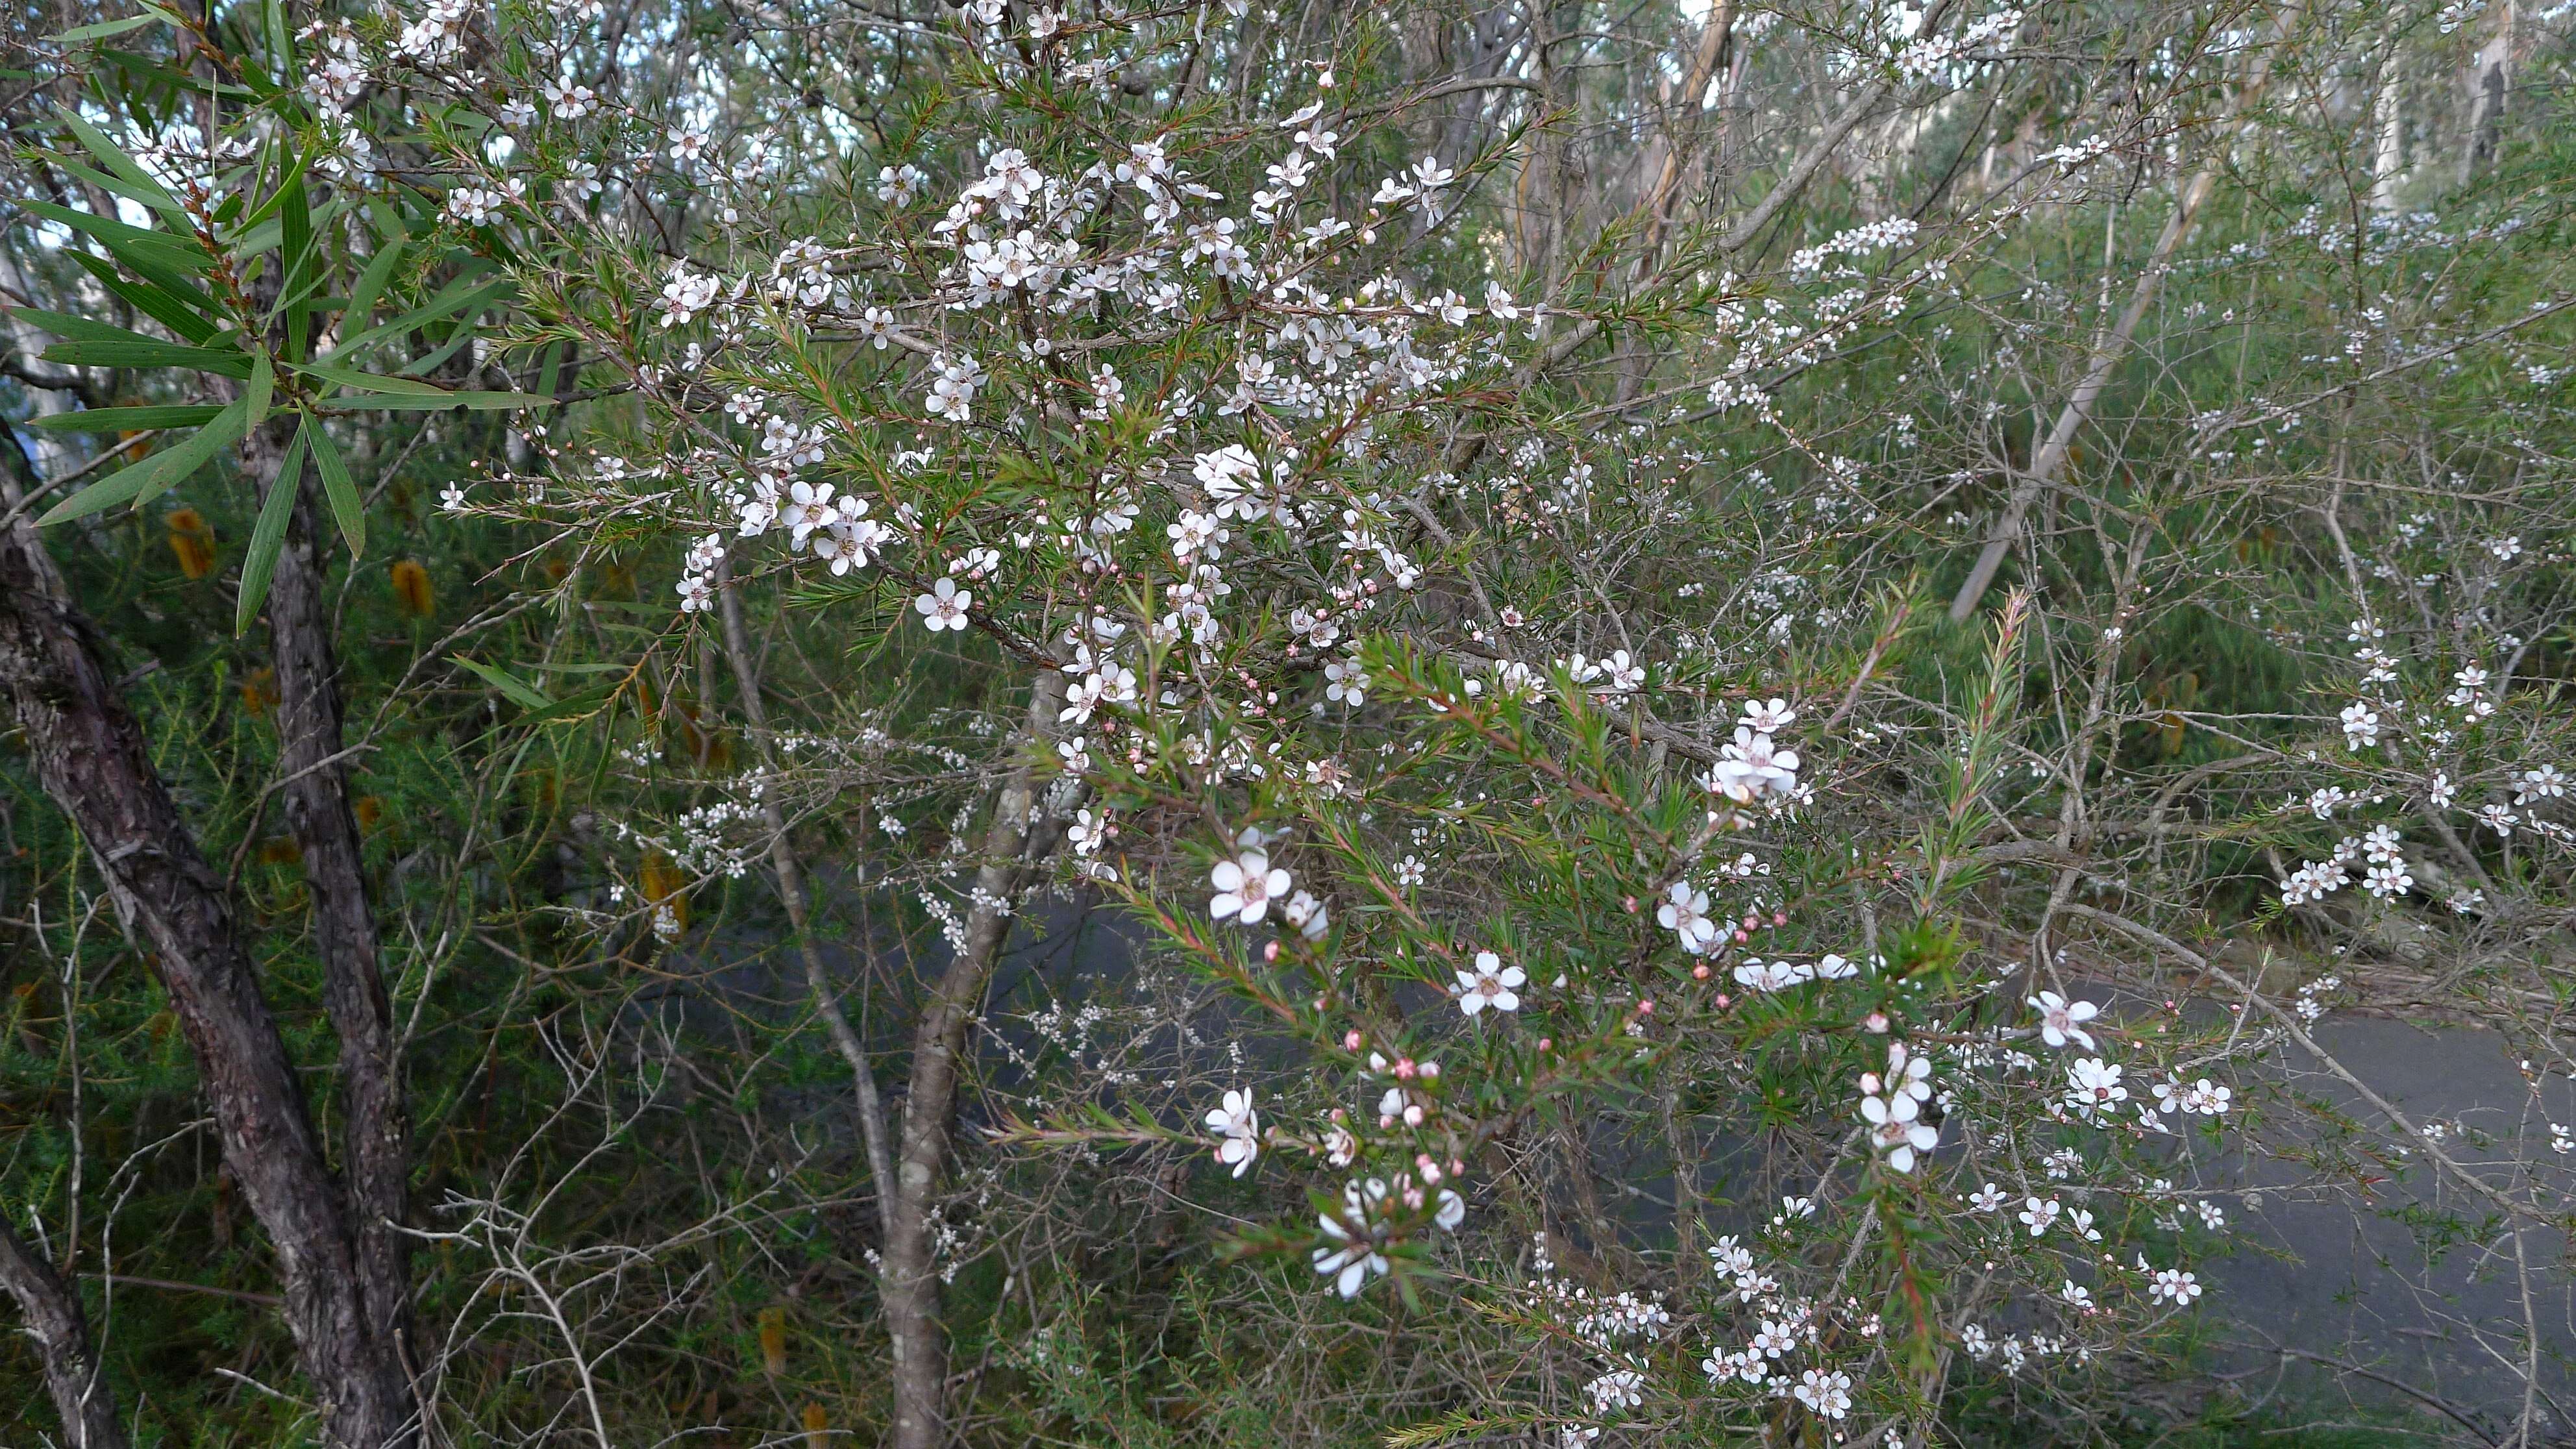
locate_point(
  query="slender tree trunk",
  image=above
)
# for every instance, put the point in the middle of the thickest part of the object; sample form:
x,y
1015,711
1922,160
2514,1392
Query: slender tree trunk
x,y
791,894
2490,82
911,1280
90,754
54,1320
2388,162
374,1142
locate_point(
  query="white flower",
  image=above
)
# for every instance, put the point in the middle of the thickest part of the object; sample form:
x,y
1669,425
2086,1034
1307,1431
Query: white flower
x,y
1087,833
851,545
945,606
1452,1211
2543,782
1306,916
1758,975
1895,1130
1616,1390
687,145
1685,913
1491,984
1246,885
2076,1295
2062,1021
2092,1084
1828,1394
1348,686
1356,1259
696,595
1240,1126
1752,766
2360,726
2175,1285
2039,1214
1768,718
1986,1199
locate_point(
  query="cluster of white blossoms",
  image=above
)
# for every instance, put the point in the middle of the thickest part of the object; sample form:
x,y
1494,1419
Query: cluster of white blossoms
x,y
2380,853
1231,518
1892,1106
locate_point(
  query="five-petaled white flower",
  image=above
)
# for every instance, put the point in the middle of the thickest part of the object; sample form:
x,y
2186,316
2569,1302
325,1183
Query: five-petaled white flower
x,y
1240,1125
1246,885
2174,1285
1828,1394
1491,984
944,607
2062,1021
1685,914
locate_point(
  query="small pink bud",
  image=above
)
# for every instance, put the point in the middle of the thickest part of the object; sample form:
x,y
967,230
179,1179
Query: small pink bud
x,y
1779,918
1700,972
1876,1022
1270,951
1646,1007
1742,936
1628,903
1724,1001
1351,1040
1547,1044
1404,1069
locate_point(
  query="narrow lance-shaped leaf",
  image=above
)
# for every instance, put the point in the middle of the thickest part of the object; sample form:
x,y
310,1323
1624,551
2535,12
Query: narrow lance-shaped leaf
x,y
126,420
519,690
346,506
269,537
371,285
145,188
296,260
406,402
102,29
141,481
263,386
156,298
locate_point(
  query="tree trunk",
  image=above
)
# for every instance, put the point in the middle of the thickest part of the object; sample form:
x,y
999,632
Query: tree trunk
x,y
911,1279
61,1331
90,754
2490,81
375,1151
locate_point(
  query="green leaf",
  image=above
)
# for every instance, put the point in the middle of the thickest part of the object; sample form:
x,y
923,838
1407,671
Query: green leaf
x,y
371,285
575,707
79,329
459,296
127,420
519,690
269,536
144,480
146,189
346,505
430,403
171,250
350,377
101,29
263,386
154,198
148,353
297,279
169,306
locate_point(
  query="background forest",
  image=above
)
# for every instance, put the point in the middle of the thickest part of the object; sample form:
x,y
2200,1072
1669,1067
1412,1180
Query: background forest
x,y
853,721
